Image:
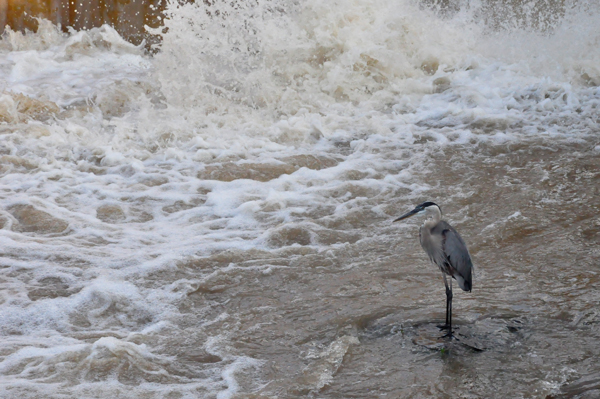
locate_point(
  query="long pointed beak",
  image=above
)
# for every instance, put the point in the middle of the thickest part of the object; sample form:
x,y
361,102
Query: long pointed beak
x,y
407,215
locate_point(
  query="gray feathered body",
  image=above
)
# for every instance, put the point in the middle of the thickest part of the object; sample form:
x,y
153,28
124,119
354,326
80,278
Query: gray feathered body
x,y
447,249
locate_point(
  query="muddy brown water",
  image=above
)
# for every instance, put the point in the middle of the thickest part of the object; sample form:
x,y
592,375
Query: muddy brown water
x,y
215,221
357,318
345,305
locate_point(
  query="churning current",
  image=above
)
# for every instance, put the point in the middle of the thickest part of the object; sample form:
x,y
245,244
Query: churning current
x,y
213,219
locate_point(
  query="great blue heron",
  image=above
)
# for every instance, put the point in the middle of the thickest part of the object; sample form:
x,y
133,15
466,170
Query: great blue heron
x,y
445,248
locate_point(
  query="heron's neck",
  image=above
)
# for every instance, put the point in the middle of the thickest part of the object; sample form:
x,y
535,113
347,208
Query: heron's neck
x,y
434,214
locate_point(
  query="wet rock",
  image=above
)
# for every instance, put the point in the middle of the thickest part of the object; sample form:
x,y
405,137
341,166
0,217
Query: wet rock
x,y
32,220
110,214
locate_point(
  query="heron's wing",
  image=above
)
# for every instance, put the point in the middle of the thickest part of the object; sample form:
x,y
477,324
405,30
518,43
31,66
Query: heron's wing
x,y
457,255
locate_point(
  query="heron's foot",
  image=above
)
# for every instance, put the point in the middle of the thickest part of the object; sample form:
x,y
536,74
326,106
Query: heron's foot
x,y
448,336
443,326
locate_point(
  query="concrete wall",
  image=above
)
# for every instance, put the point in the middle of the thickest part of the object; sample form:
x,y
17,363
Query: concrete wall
x,y
127,16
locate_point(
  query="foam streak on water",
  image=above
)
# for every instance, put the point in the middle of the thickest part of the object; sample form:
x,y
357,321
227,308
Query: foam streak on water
x,y
214,220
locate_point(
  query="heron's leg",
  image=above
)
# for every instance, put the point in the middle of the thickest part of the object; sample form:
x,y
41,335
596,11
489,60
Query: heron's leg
x,y
445,326
450,310
448,298
448,306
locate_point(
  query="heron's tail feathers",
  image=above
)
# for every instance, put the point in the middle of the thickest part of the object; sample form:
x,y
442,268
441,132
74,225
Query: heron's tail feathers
x,y
465,285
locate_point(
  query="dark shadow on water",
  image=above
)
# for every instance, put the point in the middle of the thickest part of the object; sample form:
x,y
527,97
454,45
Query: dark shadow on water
x,y
586,387
485,334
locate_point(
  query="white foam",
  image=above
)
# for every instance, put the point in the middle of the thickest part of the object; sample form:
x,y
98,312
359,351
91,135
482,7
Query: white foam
x,y
323,369
369,86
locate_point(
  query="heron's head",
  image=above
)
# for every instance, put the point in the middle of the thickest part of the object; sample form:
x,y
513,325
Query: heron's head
x,y
422,208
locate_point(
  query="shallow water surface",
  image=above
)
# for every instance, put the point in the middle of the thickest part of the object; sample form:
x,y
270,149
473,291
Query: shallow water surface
x,y
215,220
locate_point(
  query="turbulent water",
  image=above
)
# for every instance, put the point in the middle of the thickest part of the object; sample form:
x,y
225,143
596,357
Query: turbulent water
x,y
214,220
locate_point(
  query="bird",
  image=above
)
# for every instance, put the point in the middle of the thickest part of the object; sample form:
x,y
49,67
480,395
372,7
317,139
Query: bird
x,y
446,248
